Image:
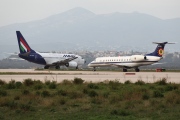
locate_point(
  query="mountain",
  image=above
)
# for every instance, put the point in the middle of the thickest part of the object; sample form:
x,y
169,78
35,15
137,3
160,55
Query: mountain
x,y
81,29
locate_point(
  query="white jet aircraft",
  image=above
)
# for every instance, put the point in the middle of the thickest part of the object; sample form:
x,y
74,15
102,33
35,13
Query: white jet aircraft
x,y
134,61
47,59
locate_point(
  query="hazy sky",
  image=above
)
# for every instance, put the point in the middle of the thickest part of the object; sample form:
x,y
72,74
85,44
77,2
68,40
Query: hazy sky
x,y
14,11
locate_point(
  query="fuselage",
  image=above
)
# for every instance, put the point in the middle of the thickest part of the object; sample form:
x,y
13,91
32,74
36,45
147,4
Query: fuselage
x,y
124,61
50,58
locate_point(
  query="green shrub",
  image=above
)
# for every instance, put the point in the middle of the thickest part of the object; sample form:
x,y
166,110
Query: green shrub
x,y
25,92
66,82
127,82
163,81
52,85
3,93
78,81
16,98
157,93
97,100
106,94
145,96
38,87
45,93
62,92
120,112
18,84
2,82
114,85
25,107
114,112
171,87
93,93
47,82
92,86
38,82
11,104
75,94
28,82
140,82
85,91
38,93
172,98
11,85
124,113
115,99
62,101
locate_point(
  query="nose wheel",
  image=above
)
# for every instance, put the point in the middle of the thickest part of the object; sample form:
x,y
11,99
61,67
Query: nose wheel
x,y
94,69
57,67
124,70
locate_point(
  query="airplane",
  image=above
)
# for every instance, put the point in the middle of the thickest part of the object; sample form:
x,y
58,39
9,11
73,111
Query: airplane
x,y
47,59
133,61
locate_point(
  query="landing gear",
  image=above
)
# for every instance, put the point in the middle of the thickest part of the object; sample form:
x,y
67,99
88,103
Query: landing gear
x,y
94,69
46,67
137,69
57,67
77,68
124,70
67,64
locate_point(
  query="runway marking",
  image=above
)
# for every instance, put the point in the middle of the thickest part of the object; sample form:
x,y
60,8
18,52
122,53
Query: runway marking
x,y
130,73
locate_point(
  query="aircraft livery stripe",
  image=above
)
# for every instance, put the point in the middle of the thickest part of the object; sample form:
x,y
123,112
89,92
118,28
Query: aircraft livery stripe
x,y
22,46
121,62
27,47
22,49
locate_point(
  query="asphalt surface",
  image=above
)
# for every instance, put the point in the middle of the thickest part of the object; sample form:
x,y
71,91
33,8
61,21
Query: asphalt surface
x,y
88,76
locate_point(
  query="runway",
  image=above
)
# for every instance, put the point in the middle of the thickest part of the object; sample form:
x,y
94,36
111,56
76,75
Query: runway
x,y
89,76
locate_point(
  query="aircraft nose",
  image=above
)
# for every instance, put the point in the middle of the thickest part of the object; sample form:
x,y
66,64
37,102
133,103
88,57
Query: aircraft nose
x,y
89,65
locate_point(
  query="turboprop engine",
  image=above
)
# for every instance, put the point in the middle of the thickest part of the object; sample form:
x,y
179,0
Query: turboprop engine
x,y
71,64
136,58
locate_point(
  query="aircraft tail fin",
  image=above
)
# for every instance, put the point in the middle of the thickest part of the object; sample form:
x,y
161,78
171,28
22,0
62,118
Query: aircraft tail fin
x,y
23,45
159,51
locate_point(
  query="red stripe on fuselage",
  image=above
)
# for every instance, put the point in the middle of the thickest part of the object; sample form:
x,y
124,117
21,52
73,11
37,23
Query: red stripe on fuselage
x,y
28,48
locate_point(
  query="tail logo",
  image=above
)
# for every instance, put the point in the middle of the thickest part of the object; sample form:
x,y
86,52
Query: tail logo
x,y
160,52
23,46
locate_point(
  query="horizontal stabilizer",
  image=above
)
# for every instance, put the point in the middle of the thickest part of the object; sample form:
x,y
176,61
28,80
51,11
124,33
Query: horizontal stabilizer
x,y
163,43
158,63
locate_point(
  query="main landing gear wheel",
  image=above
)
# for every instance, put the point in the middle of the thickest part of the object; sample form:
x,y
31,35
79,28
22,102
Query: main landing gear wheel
x,y
77,68
57,67
137,70
67,64
124,70
46,67
94,69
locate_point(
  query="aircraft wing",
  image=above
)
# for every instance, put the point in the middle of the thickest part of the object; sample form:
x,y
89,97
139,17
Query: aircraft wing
x,y
117,65
63,62
10,53
15,59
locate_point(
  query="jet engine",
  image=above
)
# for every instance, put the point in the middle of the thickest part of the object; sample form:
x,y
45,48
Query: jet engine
x,y
136,58
71,64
